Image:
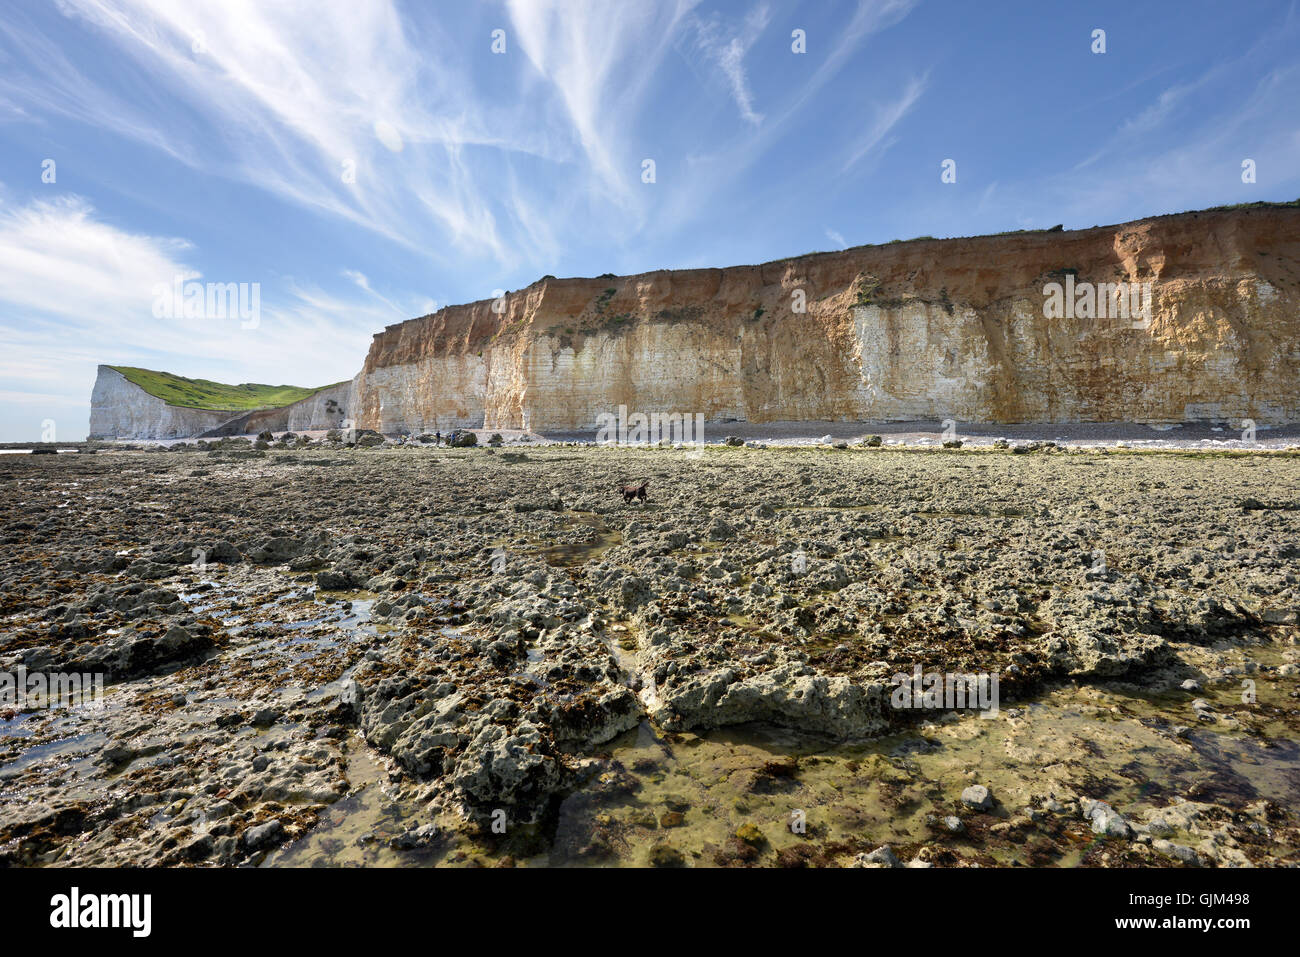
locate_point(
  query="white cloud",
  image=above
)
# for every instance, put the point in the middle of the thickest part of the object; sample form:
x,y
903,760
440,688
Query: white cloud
x,y
388,135
727,49
600,58
869,18
1150,174
282,95
297,89
76,291
57,259
362,281
713,171
887,117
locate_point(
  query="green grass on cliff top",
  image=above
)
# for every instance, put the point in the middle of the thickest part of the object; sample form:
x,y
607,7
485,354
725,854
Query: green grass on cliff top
x,y
203,394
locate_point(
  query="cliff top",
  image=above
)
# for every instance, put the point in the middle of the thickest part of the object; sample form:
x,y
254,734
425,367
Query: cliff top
x,y
218,396
1046,233
612,301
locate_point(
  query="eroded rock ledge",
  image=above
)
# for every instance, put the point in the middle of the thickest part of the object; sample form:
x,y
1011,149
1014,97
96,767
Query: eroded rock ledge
x,y
249,694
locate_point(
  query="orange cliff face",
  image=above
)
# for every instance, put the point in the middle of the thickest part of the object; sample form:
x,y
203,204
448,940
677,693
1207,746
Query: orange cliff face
x,y
919,330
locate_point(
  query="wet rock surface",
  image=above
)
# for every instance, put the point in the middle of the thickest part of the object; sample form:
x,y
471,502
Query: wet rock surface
x,y
397,654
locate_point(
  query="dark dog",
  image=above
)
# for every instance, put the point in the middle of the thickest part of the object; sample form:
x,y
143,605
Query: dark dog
x,y
633,491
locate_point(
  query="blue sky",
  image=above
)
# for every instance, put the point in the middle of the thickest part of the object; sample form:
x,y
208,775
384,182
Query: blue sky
x,y
209,140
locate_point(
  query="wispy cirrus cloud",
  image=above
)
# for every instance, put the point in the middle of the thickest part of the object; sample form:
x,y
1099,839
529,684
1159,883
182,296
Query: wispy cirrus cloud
x,y
1183,104
338,107
888,116
327,105
869,18
727,48
733,157
362,281
599,58
1151,173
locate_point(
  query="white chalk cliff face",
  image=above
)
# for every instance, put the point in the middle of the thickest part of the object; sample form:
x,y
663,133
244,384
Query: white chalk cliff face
x,y
120,409
922,330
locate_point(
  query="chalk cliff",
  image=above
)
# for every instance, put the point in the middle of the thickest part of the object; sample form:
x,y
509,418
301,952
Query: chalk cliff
x,y
920,330
120,409
924,329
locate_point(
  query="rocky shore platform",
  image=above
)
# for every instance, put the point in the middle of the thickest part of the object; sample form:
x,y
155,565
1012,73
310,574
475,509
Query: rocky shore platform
x,y
320,654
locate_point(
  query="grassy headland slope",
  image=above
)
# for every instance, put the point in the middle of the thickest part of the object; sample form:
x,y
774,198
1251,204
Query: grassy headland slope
x,y
205,394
